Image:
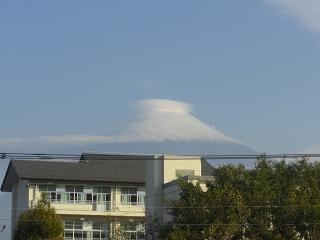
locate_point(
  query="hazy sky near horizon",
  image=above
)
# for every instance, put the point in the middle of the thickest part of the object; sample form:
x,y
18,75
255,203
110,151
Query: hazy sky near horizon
x,y
250,68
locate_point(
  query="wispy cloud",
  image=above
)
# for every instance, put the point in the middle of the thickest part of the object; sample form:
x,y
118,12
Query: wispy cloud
x,y
157,120
312,149
306,12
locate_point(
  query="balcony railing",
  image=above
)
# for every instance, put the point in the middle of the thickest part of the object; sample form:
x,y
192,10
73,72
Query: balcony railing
x,y
97,203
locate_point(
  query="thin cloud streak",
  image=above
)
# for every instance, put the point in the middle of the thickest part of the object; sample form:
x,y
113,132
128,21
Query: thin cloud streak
x,y
307,12
312,149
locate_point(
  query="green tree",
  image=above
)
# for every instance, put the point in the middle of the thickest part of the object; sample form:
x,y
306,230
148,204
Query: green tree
x,y
39,223
276,200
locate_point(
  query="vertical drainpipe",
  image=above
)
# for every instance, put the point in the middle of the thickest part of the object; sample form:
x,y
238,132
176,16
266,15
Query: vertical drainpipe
x,y
154,180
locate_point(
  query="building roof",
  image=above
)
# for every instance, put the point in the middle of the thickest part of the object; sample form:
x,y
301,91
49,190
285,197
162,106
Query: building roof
x,y
91,167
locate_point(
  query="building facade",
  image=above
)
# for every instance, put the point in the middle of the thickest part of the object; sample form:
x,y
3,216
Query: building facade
x,y
93,210
100,196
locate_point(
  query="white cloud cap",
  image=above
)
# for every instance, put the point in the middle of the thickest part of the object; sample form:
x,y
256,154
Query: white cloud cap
x,y
163,105
162,120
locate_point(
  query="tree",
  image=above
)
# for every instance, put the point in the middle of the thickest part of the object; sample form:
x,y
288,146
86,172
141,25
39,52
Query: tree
x,y
39,223
273,201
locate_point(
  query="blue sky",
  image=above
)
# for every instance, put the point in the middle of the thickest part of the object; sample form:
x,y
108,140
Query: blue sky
x,y
250,68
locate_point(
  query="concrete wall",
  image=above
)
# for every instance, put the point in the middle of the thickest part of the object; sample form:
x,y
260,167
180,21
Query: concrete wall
x,y
173,163
161,171
20,201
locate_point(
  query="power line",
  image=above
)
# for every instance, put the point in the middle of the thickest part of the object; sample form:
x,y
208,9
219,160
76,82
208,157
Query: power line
x,y
189,224
128,207
241,224
63,156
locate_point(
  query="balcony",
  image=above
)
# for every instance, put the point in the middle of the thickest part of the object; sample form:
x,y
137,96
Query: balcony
x,y
124,205
94,200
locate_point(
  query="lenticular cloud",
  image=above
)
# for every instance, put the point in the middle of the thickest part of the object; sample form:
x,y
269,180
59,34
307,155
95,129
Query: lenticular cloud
x,y
157,120
162,120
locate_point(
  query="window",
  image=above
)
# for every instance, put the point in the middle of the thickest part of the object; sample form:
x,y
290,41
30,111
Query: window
x,y
47,188
81,230
50,193
131,196
101,189
101,198
100,230
101,194
184,172
134,231
75,194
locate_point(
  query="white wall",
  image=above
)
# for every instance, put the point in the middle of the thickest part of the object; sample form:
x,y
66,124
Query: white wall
x,y
161,171
20,201
5,215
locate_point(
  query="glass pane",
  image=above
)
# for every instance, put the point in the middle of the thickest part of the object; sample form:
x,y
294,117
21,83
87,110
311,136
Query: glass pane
x,y
78,188
108,197
125,199
52,188
47,195
89,198
68,224
124,190
81,197
69,188
53,196
133,198
64,197
68,234
78,234
132,190
101,198
71,196
43,188
141,199
77,225
96,225
105,189
96,234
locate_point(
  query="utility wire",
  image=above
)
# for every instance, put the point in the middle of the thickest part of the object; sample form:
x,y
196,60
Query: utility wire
x,y
128,207
99,157
191,224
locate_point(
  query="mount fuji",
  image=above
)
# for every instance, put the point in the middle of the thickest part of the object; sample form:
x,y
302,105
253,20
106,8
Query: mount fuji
x,y
160,126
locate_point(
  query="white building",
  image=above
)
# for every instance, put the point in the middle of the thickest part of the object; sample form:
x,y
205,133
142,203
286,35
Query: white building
x,y
100,194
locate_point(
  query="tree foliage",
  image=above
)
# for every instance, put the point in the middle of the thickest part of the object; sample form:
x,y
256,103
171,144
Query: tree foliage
x,y
39,223
273,201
